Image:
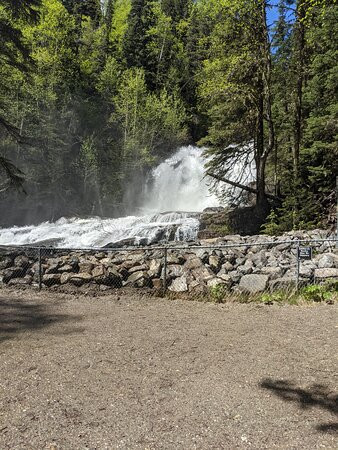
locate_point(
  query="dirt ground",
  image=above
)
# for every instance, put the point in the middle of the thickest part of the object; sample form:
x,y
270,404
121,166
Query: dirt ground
x,y
135,372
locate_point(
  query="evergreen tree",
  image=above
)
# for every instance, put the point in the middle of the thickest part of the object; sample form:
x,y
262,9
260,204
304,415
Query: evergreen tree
x,y
136,39
14,52
235,88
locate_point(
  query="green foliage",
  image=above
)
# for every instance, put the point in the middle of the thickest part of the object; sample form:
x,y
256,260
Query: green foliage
x,y
218,293
320,292
103,94
141,116
272,226
277,297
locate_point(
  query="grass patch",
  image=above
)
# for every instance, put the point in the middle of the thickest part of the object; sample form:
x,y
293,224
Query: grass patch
x,y
314,293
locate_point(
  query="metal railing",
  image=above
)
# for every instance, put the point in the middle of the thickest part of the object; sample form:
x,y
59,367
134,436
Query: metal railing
x,y
236,268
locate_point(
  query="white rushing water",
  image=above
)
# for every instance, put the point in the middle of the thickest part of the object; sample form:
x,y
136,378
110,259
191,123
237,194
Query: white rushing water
x,y
177,185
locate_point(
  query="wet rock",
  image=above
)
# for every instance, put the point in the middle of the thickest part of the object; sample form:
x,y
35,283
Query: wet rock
x,y
129,242
253,283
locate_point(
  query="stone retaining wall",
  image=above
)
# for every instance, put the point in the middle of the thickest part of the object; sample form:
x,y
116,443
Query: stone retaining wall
x,y
253,268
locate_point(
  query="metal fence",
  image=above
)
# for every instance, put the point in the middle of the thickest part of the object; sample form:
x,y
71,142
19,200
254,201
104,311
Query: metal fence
x,y
217,270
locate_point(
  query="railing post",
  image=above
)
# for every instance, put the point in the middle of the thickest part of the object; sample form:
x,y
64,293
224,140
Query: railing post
x,y
40,270
165,254
298,268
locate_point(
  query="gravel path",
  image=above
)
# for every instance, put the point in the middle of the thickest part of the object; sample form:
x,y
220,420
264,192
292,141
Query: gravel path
x,y
135,372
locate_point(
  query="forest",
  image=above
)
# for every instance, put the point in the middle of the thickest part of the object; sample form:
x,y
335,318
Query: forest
x,y
94,94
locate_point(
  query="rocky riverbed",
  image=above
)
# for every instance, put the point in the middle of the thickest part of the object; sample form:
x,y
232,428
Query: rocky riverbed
x,y
247,266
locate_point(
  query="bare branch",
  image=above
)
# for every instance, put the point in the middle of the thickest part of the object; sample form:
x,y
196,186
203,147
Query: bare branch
x,y
240,186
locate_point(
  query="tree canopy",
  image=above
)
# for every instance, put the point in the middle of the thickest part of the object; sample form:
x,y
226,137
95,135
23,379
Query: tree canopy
x,y
94,94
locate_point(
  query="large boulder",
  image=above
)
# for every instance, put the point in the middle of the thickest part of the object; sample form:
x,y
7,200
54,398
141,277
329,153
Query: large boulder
x,y
5,262
202,274
273,272
138,279
54,268
217,282
107,276
25,281
66,268
329,260
215,263
247,267
86,266
286,283
179,284
326,273
193,262
138,268
253,283
174,271
21,261
13,272
155,268
51,278
78,279
175,258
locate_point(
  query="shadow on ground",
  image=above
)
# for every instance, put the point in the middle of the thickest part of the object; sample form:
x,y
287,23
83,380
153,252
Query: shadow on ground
x,y
17,316
318,396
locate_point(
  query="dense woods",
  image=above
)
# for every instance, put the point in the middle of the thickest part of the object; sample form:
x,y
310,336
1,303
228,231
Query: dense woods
x,y
94,94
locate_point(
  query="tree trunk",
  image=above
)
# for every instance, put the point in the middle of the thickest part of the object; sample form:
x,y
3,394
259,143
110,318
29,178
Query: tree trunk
x,y
261,200
298,98
108,21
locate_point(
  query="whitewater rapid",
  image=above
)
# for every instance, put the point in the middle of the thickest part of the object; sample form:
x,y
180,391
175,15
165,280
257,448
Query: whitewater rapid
x,y
177,185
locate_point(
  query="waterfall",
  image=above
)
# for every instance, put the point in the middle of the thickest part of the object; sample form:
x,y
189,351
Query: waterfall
x,y
177,185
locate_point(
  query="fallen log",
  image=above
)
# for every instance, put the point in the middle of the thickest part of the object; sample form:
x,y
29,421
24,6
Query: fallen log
x,y
241,186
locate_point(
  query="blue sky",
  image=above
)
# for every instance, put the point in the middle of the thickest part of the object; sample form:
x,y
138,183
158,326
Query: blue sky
x,y
272,14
